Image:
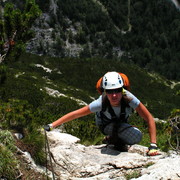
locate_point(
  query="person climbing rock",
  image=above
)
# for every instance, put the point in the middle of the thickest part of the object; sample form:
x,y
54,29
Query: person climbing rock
x,y
112,110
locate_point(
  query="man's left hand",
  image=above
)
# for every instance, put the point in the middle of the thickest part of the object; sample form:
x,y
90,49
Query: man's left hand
x,y
48,127
153,150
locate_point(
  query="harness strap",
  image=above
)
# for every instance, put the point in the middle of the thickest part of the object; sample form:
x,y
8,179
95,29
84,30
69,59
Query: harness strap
x,y
116,120
106,104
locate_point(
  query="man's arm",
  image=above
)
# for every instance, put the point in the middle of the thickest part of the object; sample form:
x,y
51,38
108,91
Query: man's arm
x,y
146,115
72,115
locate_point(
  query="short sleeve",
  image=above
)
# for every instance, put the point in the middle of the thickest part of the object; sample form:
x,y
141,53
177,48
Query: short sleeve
x,y
134,101
96,105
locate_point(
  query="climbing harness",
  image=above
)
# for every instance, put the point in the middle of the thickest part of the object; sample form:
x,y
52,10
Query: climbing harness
x,y
47,150
107,107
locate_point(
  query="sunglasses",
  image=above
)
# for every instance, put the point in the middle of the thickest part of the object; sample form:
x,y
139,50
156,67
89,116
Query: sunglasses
x,y
112,91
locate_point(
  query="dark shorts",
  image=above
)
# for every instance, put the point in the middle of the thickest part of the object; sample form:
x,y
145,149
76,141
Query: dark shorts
x,y
127,133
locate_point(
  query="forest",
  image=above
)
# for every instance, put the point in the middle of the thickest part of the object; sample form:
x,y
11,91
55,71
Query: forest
x,y
145,33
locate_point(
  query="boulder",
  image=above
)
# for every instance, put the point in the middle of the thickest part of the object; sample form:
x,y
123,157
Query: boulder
x,y
74,161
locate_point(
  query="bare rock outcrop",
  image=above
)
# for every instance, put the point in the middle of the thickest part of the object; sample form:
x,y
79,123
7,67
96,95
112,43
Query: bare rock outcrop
x,y
74,161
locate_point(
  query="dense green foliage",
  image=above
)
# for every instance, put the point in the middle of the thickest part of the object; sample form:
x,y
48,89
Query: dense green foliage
x,y
8,162
146,31
15,29
19,116
153,41
2,74
67,75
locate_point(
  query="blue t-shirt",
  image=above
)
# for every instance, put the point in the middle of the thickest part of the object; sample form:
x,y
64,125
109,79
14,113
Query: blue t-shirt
x,y
96,105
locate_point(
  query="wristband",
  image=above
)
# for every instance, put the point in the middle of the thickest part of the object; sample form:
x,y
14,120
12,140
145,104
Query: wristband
x,y
51,126
153,144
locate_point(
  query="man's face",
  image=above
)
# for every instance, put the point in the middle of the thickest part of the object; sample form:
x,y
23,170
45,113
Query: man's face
x,y
114,97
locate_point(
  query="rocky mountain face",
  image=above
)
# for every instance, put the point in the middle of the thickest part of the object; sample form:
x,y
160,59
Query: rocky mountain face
x,y
58,34
72,160
133,31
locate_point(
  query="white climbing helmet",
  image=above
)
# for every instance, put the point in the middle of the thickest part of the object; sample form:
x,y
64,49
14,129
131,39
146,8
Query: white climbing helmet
x,y
112,80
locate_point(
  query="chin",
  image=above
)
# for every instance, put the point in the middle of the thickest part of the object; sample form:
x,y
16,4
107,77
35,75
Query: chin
x,y
115,103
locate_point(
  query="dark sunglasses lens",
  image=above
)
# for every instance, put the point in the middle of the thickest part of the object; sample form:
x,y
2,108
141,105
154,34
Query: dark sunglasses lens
x,y
111,91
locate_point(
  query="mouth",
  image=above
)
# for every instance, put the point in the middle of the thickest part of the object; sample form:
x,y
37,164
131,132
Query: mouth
x,y
114,99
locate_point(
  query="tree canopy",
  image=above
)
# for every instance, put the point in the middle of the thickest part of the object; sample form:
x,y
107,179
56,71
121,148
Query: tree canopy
x,y
15,28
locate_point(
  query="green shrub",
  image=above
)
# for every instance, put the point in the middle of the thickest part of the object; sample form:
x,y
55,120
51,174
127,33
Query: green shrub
x,y
17,114
8,161
133,174
174,130
7,140
8,164
22,88
34,143
3,73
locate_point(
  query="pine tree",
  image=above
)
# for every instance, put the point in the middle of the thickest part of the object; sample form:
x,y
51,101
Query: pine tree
x,y
15,29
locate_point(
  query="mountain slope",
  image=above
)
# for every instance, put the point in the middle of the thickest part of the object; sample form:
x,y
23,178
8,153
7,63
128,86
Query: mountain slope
x,y
33,76
145,33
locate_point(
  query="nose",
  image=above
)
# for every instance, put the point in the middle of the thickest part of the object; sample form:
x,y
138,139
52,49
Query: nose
x,y
114,94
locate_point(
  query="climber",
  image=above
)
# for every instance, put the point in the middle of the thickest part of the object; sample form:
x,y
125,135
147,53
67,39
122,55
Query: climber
x,y
112,110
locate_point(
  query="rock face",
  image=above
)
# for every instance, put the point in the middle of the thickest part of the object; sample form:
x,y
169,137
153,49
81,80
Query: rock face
x,y
74,161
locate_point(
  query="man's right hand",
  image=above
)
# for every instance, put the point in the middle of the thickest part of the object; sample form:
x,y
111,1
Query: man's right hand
x,y
48,127
153,150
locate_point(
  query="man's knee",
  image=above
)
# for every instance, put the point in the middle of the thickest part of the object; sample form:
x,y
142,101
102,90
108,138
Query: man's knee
x,y
108,129
131,135
128,134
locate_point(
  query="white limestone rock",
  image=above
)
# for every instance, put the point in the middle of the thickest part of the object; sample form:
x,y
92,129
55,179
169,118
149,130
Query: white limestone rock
x,y
74,161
